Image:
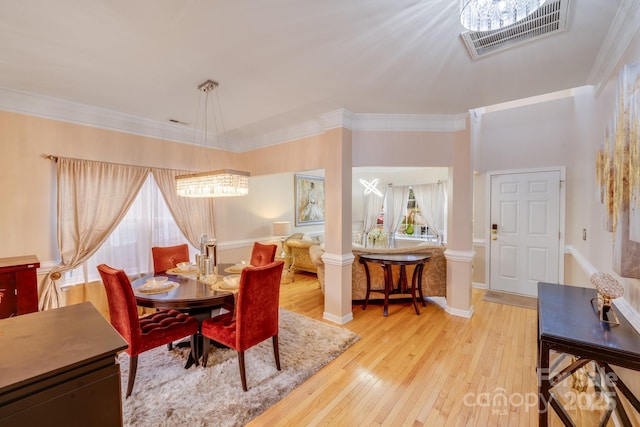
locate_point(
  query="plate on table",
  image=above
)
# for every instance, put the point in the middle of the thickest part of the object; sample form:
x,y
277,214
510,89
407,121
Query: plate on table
x,y
230,282
157,285
237,268
183,268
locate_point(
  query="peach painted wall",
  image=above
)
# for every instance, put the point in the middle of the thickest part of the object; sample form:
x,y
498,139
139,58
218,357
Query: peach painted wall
x,y
28,182
300,155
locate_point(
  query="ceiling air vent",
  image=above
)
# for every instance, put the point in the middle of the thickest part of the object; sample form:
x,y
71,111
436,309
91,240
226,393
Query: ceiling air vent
x,y
547,20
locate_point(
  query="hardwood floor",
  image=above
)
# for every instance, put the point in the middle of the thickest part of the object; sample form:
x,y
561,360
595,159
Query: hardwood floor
x,y
406,370
429,370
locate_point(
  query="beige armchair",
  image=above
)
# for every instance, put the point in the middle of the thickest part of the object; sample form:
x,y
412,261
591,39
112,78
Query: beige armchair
x,y
298,247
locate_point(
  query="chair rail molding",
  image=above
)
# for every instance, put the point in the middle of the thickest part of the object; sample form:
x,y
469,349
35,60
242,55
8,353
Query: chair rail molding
x,y
338,259
626,309
462,256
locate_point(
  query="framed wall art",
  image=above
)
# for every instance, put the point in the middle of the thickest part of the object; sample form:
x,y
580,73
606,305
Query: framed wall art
x,y
309,195
618,174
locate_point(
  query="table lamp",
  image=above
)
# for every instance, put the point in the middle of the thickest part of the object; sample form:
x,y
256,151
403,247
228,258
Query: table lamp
x,y
282,229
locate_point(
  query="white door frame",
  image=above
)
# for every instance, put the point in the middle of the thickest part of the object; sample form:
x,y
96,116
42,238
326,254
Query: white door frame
x,y
487,225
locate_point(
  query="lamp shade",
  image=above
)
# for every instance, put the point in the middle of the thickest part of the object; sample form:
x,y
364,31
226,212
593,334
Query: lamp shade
x,y
281,228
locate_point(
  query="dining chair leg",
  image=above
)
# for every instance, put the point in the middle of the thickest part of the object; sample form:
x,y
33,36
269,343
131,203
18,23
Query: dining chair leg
x,y
205,350
276,351
243,375
133,367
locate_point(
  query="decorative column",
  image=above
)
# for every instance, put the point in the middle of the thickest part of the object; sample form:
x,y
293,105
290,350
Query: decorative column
x,y
338,256
459,253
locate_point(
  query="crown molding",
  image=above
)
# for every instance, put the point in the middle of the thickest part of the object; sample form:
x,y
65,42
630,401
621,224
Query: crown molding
x,y
291,133
622,30
87,115
343,118
409,122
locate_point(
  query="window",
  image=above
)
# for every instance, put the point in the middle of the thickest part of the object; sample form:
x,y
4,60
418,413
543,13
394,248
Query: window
x,y
148,223
414,223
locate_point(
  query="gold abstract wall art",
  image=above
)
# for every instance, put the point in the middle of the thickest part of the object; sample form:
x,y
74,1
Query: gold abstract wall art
x,y
618,174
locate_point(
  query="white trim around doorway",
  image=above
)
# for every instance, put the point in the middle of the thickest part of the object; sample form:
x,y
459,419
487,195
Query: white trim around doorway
x,y
487,225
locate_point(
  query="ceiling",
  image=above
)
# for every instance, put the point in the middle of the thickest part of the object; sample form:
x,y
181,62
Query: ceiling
x,y
281,63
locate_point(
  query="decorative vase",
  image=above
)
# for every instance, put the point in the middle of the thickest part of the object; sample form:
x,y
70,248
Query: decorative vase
x,y
409,229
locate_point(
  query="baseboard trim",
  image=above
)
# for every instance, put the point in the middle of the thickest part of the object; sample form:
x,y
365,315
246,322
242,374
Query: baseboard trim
x,y
338,319
478,285
458,312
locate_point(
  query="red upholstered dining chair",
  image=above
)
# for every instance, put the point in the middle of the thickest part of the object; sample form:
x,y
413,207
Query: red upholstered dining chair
x,y
256,316
144,333
262,254
167,257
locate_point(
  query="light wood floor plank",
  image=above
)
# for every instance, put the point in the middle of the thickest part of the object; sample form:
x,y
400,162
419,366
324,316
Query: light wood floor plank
x,y
415,370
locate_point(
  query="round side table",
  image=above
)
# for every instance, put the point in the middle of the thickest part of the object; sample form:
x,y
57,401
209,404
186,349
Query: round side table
x,y
287,272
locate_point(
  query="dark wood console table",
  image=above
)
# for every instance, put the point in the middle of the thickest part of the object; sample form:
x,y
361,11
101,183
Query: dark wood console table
x,y
567,323
402,260
58,368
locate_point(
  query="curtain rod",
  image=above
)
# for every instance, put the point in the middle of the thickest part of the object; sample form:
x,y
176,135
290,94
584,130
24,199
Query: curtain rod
x,y
55,159
438,182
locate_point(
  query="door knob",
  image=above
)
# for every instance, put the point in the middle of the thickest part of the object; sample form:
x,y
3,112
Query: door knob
x,y
494,231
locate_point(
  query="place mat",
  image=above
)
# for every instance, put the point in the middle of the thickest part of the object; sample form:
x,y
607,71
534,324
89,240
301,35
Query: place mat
x,y
234,269
176,270
157,290
218,286
221,285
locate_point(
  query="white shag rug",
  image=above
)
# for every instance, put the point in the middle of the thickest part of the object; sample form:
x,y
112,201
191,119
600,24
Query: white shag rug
x,y
166,394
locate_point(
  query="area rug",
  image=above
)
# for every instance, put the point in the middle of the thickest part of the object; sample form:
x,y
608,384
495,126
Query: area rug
x,y
166,394
511,299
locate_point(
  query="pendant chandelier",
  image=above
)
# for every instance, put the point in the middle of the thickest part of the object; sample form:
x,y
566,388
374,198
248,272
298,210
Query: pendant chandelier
x,y
218,183
487,15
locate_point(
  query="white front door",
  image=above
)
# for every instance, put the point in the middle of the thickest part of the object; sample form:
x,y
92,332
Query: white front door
x,y
524,231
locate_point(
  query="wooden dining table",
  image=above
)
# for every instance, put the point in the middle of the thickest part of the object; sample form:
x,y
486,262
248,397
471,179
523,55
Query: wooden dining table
x,y
196,297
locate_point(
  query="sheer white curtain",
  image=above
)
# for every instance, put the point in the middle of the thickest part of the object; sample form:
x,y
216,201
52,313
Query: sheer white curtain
x,y
397,206
372,207
147,223
430,199
92,199
400,198
194,216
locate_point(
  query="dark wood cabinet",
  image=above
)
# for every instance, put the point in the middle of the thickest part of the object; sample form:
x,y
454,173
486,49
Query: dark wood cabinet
x,y
18,285
58,368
